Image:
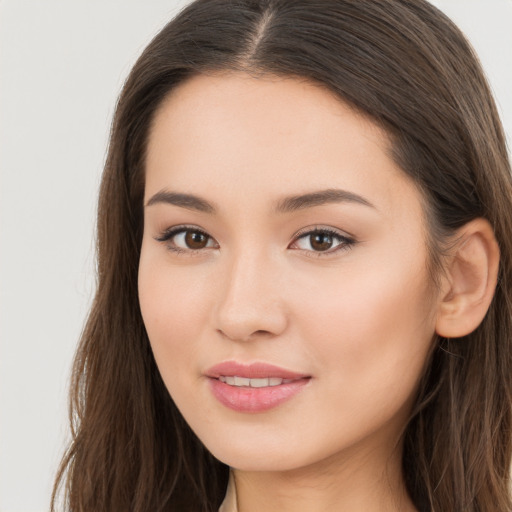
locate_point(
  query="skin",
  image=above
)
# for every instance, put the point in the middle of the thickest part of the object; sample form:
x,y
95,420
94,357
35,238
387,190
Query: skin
x,y
359,320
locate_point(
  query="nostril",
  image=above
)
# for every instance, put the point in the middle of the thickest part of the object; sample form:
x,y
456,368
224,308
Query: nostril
x,y
234,336
260,332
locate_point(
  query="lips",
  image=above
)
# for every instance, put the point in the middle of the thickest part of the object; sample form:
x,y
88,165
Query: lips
x,y
255,387
252,371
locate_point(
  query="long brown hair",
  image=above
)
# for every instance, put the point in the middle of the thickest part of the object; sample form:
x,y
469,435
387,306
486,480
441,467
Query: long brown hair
x,y
404,64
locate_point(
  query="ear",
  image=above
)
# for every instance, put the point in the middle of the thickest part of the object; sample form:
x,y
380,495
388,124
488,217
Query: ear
x,y
469,281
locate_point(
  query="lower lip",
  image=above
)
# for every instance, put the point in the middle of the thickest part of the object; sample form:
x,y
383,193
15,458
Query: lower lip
x,y
251,400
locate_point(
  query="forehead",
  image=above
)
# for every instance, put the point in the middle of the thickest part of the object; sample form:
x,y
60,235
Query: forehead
x,y
265,137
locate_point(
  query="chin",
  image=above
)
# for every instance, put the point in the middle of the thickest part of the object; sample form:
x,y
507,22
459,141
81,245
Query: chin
x,y
256,462
258,456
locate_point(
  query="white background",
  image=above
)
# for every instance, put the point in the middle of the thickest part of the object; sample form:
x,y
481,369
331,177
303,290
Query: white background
x,y
62,64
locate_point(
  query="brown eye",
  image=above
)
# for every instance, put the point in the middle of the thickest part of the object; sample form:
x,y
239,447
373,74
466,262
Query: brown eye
x,y
318,241
183,239
321,241
196,239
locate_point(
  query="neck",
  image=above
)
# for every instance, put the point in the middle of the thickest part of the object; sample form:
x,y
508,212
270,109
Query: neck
x,y
348,483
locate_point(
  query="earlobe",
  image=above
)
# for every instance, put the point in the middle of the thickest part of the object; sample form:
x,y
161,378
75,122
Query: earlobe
x,y
469,281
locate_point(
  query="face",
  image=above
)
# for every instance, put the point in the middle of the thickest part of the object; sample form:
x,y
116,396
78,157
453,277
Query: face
x,y
283,277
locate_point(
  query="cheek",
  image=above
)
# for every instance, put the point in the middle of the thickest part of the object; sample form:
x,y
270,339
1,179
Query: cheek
x,y
372,332
173,306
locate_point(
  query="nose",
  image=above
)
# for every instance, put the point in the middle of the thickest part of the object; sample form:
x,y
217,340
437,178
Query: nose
x,y
251,303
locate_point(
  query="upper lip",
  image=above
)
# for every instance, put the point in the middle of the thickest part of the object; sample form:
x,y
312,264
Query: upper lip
x,y
255,370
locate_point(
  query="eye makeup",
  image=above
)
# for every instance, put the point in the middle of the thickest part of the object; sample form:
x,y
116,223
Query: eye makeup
x,y
316,242
326,240
186,239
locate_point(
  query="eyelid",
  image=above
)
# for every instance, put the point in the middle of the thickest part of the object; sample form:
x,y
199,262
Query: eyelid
x,y
323,228
347,240
166,236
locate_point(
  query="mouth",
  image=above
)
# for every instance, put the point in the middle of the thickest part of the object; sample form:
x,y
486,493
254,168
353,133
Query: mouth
x,y
253,388
245,382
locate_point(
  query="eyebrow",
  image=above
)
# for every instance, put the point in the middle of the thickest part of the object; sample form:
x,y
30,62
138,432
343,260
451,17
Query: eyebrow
x,y
188,201
285,205
318,198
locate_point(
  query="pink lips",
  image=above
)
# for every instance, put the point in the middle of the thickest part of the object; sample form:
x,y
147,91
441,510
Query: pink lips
x,y
254,399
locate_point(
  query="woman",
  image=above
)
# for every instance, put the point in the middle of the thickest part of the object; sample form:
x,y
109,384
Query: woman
x,y
304,260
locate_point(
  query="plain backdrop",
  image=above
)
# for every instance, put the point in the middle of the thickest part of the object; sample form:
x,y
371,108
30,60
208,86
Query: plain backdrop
x,y
62,65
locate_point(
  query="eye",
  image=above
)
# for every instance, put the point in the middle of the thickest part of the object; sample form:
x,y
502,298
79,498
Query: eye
x,y
322,240
187,239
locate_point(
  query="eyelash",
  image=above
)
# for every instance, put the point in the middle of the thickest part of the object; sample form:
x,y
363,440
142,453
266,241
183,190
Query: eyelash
x,y
345,242
168,234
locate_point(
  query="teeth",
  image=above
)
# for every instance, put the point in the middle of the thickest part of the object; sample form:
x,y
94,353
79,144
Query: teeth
x,y
259,383
253,383
242,381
